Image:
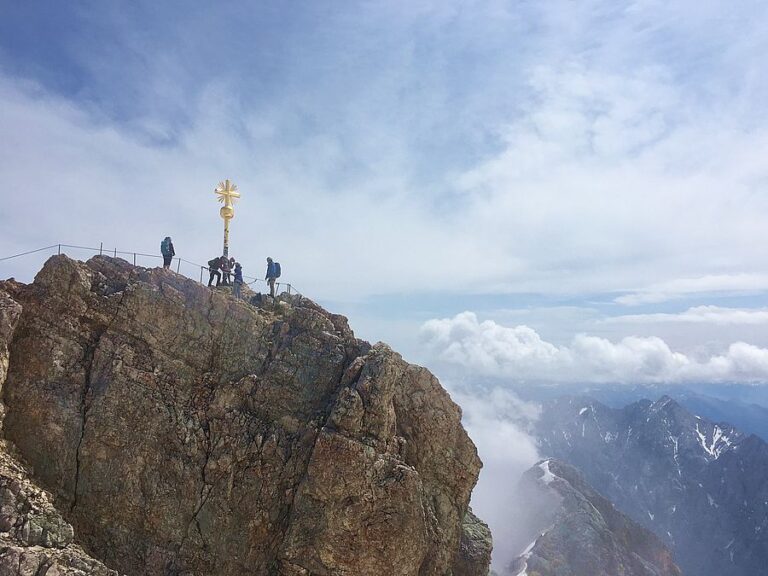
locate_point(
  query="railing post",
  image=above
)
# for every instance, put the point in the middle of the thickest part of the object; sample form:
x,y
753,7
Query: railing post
x,y
101,248
59,249
134,258
201,273
115,252
178,265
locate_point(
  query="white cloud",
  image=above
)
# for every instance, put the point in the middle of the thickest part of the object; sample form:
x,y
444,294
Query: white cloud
x,y
490,349
699,315
682,287
612,179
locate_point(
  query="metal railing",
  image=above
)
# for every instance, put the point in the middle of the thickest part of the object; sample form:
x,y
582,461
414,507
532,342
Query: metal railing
x,y
136,256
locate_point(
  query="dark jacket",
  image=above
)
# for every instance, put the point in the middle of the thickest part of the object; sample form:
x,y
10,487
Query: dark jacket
x,y
214,264
271,272
167,250
238,275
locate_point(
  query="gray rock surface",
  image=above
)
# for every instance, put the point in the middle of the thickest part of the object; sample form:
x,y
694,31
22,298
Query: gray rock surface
x,y
183,432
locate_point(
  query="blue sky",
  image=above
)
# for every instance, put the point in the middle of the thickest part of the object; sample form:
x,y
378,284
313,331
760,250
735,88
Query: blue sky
x,y
593,172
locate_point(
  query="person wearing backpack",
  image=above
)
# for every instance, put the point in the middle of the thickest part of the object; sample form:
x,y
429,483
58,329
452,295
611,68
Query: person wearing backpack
x,y
237,286
273,273
166,248
214,266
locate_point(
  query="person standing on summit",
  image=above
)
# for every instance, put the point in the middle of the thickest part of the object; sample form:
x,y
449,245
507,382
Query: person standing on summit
x,y
214,265
226,268
237,285
166,248
273,272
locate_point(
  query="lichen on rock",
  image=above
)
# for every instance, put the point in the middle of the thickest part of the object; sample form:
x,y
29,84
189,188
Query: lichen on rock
x,y
474,554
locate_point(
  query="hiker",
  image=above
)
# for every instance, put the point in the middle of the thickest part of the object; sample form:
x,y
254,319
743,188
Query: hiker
x,y
273,272
237,286
226,268
166,248
214,266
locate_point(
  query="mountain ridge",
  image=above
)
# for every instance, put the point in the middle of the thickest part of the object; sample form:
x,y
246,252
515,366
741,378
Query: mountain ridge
x,y
581,533
699,485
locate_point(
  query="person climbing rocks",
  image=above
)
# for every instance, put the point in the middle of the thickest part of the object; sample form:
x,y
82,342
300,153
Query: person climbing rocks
x,y
237,286
273,273
226,268
166,248
214,266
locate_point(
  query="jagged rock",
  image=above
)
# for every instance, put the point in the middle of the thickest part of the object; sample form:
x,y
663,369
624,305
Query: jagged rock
x,y
34,539
184,432
474,555
581,533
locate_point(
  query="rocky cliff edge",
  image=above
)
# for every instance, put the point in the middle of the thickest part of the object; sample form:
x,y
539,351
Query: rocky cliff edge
x,y
181,431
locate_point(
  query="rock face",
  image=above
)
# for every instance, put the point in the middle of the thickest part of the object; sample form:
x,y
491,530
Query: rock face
x,y
582,534
699,485
34,538
184,432
9,318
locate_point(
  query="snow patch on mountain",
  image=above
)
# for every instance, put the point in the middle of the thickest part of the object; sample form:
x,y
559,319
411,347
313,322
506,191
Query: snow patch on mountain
x,y
548,477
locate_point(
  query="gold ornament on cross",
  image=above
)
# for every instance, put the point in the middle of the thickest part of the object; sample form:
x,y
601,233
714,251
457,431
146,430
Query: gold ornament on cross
x,y
227,193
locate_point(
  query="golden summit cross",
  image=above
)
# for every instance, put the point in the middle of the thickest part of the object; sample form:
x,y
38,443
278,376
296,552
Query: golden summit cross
x,y
227,193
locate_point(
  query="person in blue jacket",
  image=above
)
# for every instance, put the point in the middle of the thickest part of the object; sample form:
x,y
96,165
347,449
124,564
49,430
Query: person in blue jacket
x,y
271,276
237,285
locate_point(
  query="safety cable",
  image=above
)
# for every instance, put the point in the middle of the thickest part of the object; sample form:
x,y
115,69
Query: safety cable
x,y
102,251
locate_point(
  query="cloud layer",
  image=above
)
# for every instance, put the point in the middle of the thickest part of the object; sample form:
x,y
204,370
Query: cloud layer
x,y
496,421
486,348
699,315
686,287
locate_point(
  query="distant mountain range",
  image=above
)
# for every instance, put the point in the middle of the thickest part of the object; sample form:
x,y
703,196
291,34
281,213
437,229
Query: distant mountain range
x,y
580,533
701,486
746,407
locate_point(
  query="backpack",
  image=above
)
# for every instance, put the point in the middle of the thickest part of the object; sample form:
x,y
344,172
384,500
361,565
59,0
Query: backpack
x,y
214,264
277,269
165,247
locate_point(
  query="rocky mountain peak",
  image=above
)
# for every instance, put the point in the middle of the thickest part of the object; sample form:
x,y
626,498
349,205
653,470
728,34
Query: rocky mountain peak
x,y
580,533
699,485
180,431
